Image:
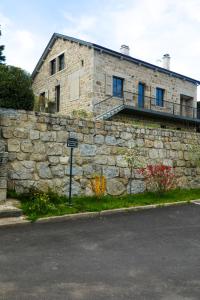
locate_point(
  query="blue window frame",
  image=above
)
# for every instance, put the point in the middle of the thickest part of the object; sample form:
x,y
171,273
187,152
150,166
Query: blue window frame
x,y
117,87
159,97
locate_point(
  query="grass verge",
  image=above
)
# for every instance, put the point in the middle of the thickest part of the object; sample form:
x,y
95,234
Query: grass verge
x,y
37,204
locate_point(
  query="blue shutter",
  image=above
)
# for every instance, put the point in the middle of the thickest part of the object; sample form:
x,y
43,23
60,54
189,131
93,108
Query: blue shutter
x,y
140,95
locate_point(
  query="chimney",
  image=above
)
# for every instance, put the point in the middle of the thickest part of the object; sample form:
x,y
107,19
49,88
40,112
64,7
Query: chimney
x,y
166,61
124,49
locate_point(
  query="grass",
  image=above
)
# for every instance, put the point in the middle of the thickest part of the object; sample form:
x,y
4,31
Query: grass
x,y
37,204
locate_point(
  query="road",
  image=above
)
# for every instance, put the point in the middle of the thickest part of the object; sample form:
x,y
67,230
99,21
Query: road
x,y
152,254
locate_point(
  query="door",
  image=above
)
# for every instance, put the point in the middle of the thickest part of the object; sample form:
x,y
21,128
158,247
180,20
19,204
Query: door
x,y
57,92
140,95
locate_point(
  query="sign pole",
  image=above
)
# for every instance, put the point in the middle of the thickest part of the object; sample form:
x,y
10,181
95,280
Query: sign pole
x,y
71,143
70,177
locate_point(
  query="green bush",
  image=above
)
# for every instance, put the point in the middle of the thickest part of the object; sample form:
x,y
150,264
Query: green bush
x,y
36,203
15,88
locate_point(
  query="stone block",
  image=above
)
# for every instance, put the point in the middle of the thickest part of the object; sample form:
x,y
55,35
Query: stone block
x,y
62,136
111,161
44,171
38,157
54,160
126,136
110,172
20,133
3,183
34,134
39,147
99,139
136,187
140,142
64,160
154,153
26,146
41,127
158,144
115,187
22,156
88,139
7,132
3,171
48,136
101,159
88,150
3,194
54,149
13,145
78,171
58,171
121,161
110,140
21,170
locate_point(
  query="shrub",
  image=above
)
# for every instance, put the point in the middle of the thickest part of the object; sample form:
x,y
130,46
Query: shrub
x,y
159,178
15,88
99,185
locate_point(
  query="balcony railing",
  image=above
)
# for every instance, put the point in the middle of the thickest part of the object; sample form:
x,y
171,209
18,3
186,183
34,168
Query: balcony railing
x,y
148,104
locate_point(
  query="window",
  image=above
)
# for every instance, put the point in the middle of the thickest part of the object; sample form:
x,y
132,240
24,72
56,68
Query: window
x,y
159,97
117,87
61,62
53,66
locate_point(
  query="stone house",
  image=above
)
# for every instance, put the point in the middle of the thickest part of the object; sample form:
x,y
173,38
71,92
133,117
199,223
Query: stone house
x,y
74,75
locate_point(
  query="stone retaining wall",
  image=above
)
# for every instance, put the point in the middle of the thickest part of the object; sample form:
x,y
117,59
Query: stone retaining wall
x,y
38,155
3,171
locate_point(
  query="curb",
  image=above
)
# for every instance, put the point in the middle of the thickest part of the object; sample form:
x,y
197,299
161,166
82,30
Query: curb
x,y
107,212
86,215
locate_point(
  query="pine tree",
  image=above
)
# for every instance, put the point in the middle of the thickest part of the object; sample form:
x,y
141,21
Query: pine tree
x,y
2,57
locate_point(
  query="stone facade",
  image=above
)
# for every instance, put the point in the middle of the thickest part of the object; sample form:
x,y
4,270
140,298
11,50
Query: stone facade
x,y
39,157
87,79
106,66
75,80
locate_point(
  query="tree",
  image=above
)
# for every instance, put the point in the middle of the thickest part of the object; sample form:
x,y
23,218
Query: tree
x,y
2,57
15,88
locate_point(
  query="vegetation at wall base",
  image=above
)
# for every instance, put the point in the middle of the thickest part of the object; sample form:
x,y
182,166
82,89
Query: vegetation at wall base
x,y
37,204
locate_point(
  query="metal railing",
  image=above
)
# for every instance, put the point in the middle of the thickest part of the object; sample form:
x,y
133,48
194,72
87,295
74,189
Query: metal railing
x,y
146,103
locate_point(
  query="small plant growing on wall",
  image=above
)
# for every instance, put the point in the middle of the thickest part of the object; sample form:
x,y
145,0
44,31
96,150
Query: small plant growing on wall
x,y
159,178
98,184
81,113
134,159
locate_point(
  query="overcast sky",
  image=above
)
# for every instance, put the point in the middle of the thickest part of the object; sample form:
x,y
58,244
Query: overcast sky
x,y
150,27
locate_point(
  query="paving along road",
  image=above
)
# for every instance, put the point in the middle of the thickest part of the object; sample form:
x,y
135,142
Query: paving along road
x,y
152,254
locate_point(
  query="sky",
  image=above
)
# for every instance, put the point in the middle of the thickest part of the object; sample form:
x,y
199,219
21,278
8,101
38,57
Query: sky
x,y
151,28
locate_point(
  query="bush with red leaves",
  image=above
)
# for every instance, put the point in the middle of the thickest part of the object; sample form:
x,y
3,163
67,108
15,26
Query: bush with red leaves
x,y
159,177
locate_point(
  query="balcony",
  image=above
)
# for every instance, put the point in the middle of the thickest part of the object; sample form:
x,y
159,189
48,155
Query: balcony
x,y
129,104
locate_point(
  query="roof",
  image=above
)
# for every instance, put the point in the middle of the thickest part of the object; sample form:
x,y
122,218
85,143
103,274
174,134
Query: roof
x,y
56,36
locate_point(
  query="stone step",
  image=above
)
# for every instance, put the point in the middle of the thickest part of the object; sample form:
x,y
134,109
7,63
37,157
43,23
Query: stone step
x,y
9,209
13,221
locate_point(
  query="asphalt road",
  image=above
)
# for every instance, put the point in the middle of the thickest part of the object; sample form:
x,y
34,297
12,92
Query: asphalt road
x,y
152,254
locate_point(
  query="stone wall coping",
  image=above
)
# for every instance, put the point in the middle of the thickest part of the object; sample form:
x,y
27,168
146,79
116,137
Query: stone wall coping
x,y
47,117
